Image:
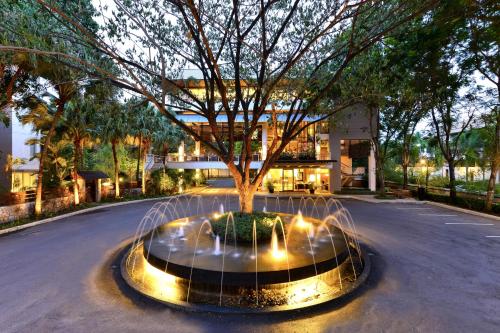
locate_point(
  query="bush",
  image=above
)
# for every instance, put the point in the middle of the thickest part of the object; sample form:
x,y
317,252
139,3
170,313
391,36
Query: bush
x,y
286,156
469,203
393,175
161,183
243,223
439,181
308,155
191,179
476,186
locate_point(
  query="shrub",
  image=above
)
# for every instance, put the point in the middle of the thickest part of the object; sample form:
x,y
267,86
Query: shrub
x,y
308,155
439,181
469,203
243,223
286,156
191,179
161,183
393,175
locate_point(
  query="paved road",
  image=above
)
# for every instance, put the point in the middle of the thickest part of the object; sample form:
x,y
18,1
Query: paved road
x,y
428,276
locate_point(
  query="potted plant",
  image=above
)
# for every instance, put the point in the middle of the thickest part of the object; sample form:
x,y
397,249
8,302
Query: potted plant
x,y
270,187
311,188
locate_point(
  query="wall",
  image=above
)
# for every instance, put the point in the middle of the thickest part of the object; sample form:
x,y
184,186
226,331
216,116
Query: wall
x,y
19,211
350,124
13,141
5,150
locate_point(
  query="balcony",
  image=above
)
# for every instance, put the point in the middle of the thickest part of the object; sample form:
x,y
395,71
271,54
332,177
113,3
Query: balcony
x,y
204,158
192,161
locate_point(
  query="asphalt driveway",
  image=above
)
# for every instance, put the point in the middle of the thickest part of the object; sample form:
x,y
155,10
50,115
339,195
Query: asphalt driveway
x,y
434,270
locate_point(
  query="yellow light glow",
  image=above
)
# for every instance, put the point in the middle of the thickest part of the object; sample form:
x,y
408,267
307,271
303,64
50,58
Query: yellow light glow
x,y
301,223
278,254
304,291
423,161
216,216
159,283
275,250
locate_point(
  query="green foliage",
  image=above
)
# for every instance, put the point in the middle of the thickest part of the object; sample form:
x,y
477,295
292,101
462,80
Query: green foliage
x,y
161,183
393,174
468,203
191,178
101,158
308,155
479,186
286,156
243,223
439,181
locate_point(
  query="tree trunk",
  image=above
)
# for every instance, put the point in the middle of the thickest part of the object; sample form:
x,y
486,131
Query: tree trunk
x,y
246,194
495,160
139,158
381,177
76,162
405,175
114,142
380,161
453,189
43,157
405,161
143,176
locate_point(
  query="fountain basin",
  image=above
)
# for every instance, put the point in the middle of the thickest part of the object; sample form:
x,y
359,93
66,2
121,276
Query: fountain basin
x,y
185,269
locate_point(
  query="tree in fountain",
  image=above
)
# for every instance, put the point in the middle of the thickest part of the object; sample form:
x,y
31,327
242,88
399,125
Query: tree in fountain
x,y
253,56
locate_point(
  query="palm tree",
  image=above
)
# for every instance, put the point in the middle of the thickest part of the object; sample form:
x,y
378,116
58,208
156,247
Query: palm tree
x,y
112,125
45,117
77,123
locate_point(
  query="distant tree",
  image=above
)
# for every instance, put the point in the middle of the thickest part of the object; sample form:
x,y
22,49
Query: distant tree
x,y
484,30
61,81
77,126
251,54
112,125
444,72
24,23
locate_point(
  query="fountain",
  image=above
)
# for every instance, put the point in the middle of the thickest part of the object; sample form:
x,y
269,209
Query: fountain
x,y
307,260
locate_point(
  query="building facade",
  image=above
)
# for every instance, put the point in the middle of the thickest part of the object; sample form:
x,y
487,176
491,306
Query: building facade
x,y
329,155
17,158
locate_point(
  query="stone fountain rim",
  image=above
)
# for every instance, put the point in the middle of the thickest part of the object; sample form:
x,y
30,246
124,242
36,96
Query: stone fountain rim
x,y
190,307
247,278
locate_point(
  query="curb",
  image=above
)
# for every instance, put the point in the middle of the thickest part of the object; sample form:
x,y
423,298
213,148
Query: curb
x,y
341,196
81,211
381,201
463,210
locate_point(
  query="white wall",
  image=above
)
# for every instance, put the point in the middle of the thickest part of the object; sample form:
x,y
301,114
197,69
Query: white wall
x,y
20,134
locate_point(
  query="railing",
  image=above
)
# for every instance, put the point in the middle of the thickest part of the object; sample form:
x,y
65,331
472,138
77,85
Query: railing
x,y
303,156
192,158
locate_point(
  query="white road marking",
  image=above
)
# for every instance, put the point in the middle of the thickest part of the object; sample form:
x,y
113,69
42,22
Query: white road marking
x,y
492,236
469,223
442,215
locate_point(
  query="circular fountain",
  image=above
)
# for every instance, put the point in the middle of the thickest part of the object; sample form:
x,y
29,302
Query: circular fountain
x,y
307,261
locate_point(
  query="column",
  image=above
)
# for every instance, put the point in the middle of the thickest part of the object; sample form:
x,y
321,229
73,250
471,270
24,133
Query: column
x,y
335,172
264,141
98,190
372,170
197,148
181,152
